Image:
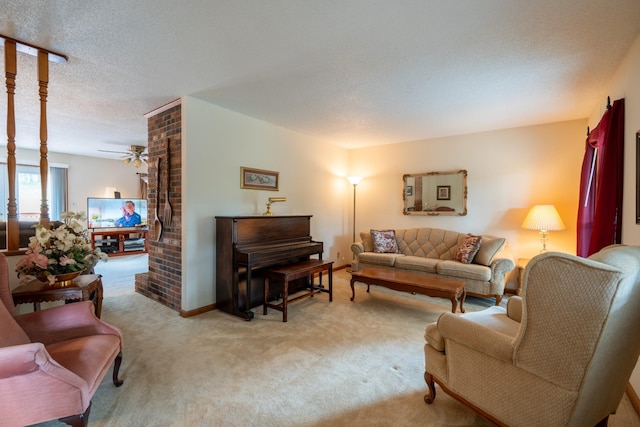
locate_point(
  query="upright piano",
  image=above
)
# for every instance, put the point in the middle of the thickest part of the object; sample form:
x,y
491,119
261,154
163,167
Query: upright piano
x,y
246,246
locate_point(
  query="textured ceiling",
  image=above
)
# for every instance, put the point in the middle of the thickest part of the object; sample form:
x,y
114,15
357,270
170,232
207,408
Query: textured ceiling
x,y
350,72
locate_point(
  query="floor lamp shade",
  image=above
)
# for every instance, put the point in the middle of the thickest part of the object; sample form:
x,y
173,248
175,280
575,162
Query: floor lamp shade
x,y
543,218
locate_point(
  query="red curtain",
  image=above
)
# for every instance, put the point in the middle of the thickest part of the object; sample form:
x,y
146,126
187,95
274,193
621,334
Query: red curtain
x,y
601,183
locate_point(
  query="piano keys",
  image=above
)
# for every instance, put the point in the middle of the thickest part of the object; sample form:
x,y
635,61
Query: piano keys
x,y
246,246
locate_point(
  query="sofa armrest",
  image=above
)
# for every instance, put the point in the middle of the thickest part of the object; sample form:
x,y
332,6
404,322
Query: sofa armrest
x,y
502,264
357,248
470,334
65,322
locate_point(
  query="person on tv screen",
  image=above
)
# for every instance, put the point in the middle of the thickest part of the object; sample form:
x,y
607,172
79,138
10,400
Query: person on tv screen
x,y
130,218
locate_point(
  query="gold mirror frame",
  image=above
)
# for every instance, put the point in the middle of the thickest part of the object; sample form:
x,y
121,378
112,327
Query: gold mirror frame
x,y
435,193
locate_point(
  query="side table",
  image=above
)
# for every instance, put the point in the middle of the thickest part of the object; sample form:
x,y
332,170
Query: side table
x,y
521,264
84,288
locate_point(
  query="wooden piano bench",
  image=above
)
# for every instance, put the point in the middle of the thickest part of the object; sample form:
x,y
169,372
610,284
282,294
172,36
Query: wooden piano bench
x,y
286,273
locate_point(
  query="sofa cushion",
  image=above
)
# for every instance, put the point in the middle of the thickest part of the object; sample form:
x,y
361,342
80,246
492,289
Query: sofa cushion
x,y
417,263
384,241
367,241
457,269
378,259
489,248
468,248
88,357
428,242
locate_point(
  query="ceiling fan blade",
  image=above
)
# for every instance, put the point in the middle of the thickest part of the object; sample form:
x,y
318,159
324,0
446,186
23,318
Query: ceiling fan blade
x,y
117,152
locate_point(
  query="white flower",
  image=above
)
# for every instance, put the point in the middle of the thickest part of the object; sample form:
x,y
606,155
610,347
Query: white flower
x,y
66,249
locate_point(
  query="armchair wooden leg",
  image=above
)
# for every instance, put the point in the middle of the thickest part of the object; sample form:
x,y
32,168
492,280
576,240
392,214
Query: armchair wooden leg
x,y
116,369
429,397
80,420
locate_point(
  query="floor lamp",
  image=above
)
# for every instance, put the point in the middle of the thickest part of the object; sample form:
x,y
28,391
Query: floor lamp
x,y
354,180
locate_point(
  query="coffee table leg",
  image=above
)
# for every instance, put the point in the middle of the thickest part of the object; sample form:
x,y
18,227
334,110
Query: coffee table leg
x,y
462,298
353,290
330,282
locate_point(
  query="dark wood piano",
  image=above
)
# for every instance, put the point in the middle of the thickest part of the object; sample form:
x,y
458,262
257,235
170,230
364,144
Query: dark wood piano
x,y
246,246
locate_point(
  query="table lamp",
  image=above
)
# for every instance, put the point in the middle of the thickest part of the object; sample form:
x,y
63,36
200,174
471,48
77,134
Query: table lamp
x,y
543,218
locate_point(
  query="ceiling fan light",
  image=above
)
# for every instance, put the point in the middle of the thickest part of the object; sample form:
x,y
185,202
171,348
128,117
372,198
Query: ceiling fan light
x,y
137,162
126,161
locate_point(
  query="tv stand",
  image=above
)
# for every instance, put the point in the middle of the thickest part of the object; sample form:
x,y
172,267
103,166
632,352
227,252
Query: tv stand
x,y
120,241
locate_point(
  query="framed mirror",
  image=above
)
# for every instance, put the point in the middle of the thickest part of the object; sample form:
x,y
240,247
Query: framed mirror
x,y
435,193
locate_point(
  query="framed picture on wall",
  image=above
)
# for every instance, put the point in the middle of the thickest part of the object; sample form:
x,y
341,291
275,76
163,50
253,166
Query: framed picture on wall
x,y
443,192
258,179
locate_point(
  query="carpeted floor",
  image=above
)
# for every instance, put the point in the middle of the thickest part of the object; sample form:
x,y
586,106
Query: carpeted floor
x,y
349,363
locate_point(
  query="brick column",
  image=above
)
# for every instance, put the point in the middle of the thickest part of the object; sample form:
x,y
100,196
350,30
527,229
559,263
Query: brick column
x,y
163,282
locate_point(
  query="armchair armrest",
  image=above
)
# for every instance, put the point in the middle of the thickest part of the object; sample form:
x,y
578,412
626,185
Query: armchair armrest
x,y
27,359
514,308
470,334
65,322
19,359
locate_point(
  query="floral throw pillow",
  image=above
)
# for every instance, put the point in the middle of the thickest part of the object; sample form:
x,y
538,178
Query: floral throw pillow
x,y
468,248
384,241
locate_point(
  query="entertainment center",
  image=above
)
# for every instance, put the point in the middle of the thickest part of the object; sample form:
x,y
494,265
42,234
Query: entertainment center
x,y
123,241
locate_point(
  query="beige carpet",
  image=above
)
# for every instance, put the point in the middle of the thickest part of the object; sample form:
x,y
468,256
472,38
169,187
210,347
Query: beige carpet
x,y
342,363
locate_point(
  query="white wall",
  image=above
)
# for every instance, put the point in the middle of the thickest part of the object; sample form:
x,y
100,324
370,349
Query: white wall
x,y
626,84
508,171
215,143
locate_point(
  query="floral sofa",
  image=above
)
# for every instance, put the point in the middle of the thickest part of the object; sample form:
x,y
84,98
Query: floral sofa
x,y
482,262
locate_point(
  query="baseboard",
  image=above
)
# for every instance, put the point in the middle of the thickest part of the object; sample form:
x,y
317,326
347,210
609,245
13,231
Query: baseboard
x,y
190,313
633,398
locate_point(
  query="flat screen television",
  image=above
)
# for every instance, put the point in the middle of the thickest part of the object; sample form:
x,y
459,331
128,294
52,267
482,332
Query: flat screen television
x,y
108,213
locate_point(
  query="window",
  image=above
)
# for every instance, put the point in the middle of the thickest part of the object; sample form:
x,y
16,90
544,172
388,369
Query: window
x,y
28,192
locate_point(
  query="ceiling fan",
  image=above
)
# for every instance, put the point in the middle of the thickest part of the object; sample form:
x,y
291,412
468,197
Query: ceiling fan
x,y
136,154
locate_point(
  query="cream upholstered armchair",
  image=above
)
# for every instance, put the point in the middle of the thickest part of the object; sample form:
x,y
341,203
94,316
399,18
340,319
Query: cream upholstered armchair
x,y
559,356
52,361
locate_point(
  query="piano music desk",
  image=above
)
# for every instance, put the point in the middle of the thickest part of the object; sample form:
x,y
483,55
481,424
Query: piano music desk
x,y
307,268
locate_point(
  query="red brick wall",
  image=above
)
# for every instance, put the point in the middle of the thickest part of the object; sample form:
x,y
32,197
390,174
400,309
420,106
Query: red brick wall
x,y
164,280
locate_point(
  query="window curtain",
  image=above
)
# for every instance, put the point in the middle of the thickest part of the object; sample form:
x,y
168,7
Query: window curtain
x,y
601,183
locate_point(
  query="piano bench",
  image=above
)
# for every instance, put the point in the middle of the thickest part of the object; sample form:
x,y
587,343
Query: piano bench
x,y
286,273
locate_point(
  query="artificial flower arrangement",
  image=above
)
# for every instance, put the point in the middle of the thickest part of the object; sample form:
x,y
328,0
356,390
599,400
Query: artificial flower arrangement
x,y
53,252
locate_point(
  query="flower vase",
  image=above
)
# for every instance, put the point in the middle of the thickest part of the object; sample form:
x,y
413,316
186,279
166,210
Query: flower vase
x,y
61,280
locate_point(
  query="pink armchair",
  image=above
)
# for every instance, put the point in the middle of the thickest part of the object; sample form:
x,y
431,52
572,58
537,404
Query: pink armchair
x,y
52,361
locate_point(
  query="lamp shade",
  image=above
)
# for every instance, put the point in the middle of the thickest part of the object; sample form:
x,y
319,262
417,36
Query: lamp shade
x,y
354,180
543,218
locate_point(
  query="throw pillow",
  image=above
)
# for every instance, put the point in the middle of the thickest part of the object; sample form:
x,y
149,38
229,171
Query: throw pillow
x,y
468,248
488,250
384,241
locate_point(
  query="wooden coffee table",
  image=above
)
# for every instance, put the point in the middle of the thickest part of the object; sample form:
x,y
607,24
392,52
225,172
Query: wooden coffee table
x,y
409,282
